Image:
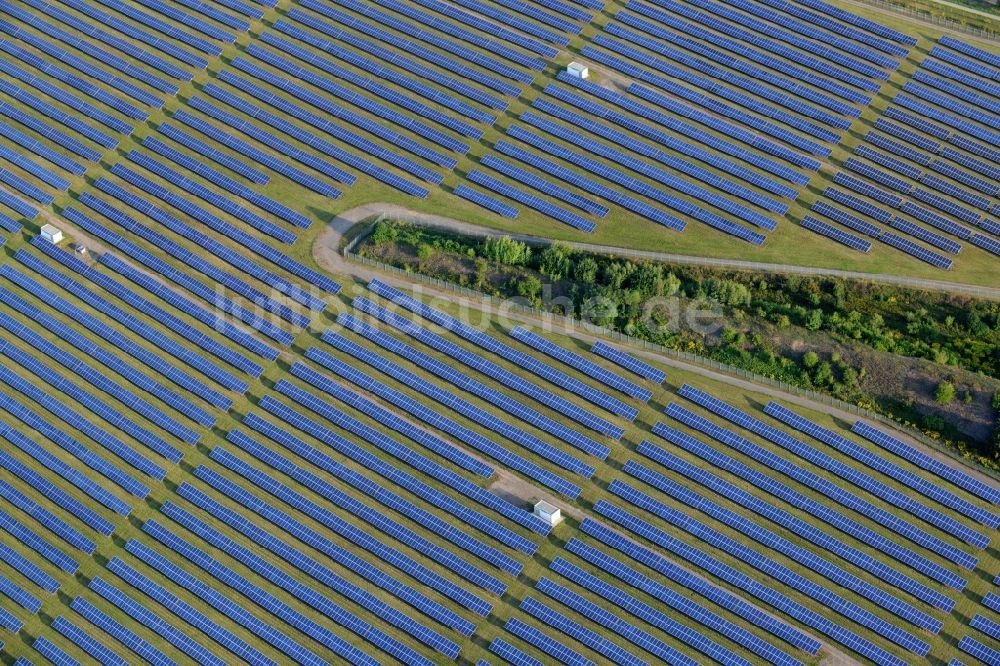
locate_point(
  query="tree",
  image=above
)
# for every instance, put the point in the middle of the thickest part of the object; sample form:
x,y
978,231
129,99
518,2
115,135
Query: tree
x,y
555,262
505,250
810,360
944,393
383,232
585,271
528,286
425,251
814,320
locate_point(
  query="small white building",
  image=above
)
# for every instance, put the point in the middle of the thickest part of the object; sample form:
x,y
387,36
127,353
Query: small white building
x,y
578,70
549,513
52,234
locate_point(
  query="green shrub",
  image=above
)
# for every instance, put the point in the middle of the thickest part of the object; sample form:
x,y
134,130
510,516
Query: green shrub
x,y
944,393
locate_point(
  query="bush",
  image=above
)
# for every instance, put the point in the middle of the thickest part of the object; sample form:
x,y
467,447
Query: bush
x,y
944,393
810,359
555,262
384,232
425,251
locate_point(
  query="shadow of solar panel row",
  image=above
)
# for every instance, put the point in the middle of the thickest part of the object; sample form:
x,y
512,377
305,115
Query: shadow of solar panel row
x,y
51,492
614,175
101,382
95,462
982,101
219,201
386,93
41,150
73,419
833,545
456,403
437,27
73,81
748,85
230,185
955,122
545,643
79,64
768,595
836,234
587,367
404,480
402,44
496,28
343,529
966,178
163,317
676,601
72,122
542,185
541,205
149,619
747,100
959,193
489,368
455,481
848,447
365,104
808,479
468,385
629,362
217,156
385,418
491,344
305,594
804,52
21,564
786,576
119,632
680,165
321,123
95,405
178,252
258,156
928,237
588,186
388,526
608,620
435,419
34,169
567,627
132,323
290,526
266,251
29,538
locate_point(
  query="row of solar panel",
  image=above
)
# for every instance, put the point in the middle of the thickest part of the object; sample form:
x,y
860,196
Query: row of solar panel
x,y
462,381
490,369
838,520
